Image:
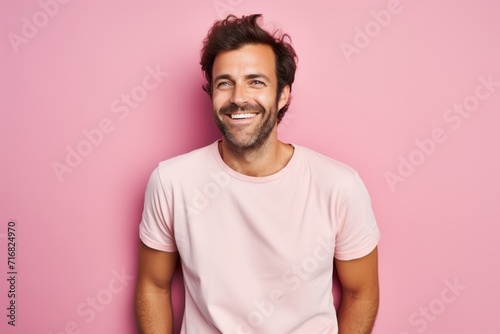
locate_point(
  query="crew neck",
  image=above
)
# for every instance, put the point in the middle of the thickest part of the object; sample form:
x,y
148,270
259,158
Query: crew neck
x,y
255,179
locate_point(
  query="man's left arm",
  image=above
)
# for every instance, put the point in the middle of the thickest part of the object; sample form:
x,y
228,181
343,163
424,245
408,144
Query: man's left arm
x,y
360,294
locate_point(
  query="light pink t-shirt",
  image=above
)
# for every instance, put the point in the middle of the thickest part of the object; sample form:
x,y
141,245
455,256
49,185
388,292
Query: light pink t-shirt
x,y
257,252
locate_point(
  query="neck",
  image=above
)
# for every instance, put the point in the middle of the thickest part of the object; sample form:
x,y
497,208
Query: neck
x,y
265,160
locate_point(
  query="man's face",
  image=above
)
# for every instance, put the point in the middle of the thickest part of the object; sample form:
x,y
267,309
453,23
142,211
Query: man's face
x,y
244,95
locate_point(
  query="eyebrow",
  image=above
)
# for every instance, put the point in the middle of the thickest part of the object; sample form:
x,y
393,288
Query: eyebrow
x,y
248,76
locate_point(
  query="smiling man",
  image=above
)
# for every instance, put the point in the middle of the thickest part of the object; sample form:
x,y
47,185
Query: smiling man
x,y
259,225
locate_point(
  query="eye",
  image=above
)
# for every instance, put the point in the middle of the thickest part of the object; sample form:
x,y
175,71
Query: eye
x,y
223,84
257,83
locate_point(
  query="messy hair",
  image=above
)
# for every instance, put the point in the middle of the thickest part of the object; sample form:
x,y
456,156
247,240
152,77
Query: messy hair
x,y
233,33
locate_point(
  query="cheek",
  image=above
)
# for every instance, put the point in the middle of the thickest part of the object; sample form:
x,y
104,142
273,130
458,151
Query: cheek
x,y
218,101
261,95
267,99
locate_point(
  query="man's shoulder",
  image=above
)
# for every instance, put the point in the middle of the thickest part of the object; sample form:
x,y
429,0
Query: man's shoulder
x,y
321,162
199,153
187,163
328,174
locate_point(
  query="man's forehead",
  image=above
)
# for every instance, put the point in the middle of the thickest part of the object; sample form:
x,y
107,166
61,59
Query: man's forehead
x,y
259,57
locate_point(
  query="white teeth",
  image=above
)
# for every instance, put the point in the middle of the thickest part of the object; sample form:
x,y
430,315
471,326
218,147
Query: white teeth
x,y
240,116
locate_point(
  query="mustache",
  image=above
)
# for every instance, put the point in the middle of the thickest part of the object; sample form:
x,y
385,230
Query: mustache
x,y
232,108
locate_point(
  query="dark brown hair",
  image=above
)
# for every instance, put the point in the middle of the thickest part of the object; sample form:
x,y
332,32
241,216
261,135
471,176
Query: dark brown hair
x,y
233,33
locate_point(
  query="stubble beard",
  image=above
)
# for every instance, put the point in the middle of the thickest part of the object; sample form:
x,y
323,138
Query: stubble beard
x,y
261,134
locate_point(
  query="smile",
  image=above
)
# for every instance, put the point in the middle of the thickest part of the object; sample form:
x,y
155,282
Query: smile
x,y
242,116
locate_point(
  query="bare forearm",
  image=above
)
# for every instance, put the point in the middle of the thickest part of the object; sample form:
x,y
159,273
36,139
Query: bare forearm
x,y
357,315
153,312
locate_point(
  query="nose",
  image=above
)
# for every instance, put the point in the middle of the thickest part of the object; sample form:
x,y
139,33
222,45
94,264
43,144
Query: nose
x,y
239,96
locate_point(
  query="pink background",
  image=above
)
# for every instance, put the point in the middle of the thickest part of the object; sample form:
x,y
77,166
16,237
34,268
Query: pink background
x,y
78,232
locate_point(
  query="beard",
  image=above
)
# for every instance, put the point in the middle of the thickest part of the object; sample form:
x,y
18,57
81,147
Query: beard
x,y
259,136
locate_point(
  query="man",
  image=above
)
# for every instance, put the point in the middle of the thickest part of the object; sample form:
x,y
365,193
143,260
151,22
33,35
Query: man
x,y
258,224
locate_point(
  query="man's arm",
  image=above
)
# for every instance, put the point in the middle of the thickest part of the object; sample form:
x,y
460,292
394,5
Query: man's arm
x,y
360,294
153,305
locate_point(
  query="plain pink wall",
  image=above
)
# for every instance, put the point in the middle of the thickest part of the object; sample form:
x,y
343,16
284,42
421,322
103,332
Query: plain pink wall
x,y
380,85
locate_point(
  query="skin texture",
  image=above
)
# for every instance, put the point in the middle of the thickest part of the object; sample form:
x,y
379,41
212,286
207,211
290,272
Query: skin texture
x,y
245,78
153,304
245,82
360,294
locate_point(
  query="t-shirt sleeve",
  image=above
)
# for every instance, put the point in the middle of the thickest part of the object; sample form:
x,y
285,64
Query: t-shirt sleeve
x,y
156,227
358,233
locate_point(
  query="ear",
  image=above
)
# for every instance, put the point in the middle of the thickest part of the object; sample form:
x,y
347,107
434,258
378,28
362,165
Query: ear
x,y
284,97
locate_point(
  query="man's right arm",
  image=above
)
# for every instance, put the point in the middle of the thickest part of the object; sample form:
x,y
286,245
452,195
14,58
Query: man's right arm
x,y
153,306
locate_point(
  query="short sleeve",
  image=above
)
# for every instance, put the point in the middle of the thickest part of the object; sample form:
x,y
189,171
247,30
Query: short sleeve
x,y
156,228
358,233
